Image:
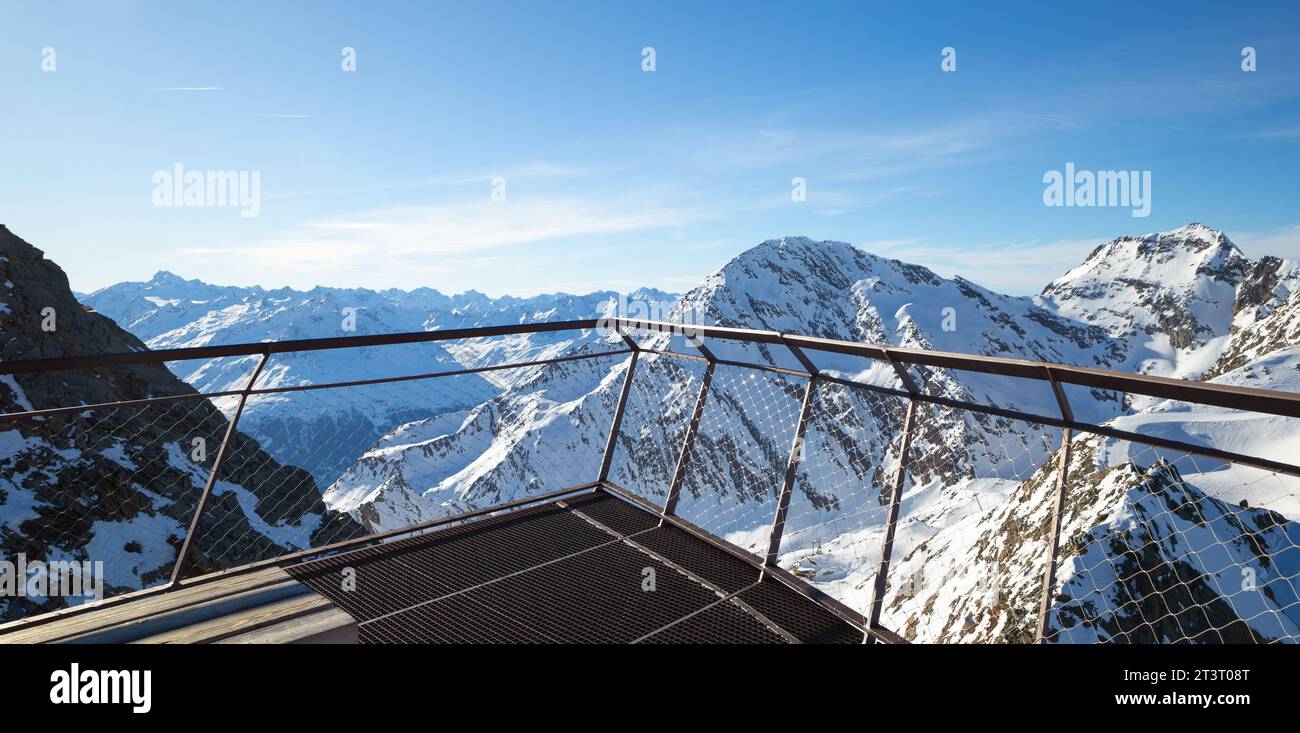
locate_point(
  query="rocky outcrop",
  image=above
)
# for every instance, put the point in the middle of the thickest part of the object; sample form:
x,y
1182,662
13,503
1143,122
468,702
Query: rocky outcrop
x,y
119,485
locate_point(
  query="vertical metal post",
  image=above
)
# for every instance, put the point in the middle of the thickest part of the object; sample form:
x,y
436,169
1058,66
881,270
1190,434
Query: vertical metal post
x,y
618,411
184,553
895,501
679,475
1058,505
791,469
1054,534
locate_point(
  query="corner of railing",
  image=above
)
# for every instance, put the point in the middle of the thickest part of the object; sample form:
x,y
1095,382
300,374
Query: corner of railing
x,y
799,354
627,339
904,377
1058,391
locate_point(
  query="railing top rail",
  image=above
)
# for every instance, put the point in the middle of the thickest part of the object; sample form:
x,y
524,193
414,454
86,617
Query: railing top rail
x,y
1242,398
92,361
1271,402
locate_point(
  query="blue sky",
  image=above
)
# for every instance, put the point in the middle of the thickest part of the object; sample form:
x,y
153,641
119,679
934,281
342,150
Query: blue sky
x,y
617,177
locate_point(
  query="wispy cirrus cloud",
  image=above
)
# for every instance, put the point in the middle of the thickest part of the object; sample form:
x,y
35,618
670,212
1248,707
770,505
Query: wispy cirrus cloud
x,y
1015,268
537,169
1281,242
900,150
1276,134
418,241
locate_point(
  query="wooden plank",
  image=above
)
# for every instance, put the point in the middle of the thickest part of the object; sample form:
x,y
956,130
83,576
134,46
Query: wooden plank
x,y
85,621
247,620
330,626
228,605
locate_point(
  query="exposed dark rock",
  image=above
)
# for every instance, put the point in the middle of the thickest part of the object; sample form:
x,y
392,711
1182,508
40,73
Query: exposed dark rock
x,y
120,485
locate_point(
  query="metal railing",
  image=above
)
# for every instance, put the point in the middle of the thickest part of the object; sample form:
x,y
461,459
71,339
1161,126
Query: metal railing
x,y
816,385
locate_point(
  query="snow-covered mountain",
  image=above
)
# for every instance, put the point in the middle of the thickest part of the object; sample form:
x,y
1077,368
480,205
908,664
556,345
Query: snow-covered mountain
x,y
1171,299
325,431
119,485
1185,303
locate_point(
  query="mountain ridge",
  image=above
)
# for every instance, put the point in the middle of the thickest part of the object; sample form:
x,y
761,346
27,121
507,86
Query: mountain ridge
x,y
1183,303
966,466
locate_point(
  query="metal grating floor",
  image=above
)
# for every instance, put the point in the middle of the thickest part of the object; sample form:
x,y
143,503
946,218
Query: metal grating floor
x,y
571,571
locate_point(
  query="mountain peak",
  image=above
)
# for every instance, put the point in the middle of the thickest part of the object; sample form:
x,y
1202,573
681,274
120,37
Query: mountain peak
x,y
800,249
1179,288
1182,254
12,245
798,242
166,277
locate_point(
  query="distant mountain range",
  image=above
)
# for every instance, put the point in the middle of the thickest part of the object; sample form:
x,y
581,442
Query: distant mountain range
x,y
170,312
1185,303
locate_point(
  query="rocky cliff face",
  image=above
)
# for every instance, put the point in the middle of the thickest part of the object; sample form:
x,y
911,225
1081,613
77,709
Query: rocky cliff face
x,y
1146,556
119,485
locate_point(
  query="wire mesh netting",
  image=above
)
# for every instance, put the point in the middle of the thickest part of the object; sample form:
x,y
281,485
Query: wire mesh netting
x,y
1159,546
970,540
1156,544
114,486
839,505
378,457
736,470
660,403
308,466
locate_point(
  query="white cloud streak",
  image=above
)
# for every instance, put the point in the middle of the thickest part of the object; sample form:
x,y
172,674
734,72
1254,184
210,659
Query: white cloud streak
x,y
421,239
1282,242
1014,268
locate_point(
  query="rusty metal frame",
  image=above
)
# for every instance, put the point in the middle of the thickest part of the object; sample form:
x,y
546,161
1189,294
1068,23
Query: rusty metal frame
x,y
1219,395
1058,506
1057,375
1054,536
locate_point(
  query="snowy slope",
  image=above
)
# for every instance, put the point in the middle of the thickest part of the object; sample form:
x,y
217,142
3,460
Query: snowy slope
x,y
1183,303
969,473
1171,298
325,431
1138,537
